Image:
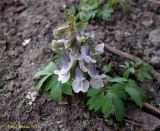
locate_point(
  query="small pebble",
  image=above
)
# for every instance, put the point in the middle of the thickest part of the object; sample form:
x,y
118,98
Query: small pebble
x,y
26,42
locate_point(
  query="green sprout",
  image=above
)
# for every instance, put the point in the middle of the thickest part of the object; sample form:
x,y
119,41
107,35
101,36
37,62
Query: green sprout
x,y
90,9
139,69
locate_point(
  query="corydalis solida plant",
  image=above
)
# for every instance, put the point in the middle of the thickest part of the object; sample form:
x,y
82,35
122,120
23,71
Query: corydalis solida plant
x,y
74,68
78,64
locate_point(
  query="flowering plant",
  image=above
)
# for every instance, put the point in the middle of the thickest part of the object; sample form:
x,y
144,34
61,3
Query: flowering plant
x,y
75,69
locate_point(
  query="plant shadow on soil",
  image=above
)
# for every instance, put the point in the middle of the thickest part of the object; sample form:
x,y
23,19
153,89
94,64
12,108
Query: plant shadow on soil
x,y
35,20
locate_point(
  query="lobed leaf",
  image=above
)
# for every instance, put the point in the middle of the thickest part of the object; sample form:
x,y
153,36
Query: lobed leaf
x,y
50,82
56,92
107,68
67,89
119,108
93,92
118,80
107,105
41,82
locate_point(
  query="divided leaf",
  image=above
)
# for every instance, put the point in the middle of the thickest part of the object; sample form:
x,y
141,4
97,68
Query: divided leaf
x,y
50,83
48,70
56,92
41,82
93,92
118,80
67,89
107,105
119,108
89,5
107,68
132,89
105,12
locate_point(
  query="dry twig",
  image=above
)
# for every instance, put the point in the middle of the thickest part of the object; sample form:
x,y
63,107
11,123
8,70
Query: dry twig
x,y
151,108
155,1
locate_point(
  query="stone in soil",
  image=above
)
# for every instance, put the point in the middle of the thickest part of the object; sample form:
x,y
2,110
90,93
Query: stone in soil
x,y
154,37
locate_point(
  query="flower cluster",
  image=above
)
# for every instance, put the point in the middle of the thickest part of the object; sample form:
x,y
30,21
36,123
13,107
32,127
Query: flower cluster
x,y
78,64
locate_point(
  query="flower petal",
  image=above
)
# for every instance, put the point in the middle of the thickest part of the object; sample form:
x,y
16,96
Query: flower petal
x,y
64,77
83,66
85,50
79,75
94,73
97,83
80,86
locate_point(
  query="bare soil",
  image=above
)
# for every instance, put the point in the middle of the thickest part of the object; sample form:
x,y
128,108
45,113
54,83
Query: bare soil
x,y
35,20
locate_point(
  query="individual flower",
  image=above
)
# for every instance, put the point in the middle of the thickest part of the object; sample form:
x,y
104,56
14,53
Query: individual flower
x,y
64,72
96,80
80,83
58,44
99,48
83,65
85,54
69,42
60,31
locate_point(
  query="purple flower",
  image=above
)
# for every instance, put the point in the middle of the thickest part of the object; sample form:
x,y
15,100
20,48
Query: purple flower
x,y
99,48
64,72
80,83
82,65
96,79
85,54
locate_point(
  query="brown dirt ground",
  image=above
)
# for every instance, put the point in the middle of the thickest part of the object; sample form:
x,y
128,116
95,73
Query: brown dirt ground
x,y
35,20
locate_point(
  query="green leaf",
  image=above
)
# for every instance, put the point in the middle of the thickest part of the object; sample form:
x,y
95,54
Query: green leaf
x,y
104,12
107,105
132,70
67,89
48,70
70,11
123,66
126,63
41,82
56,92
85,16
99,101
134,95
50,67
118,89
95,102
148,76
118,80
126,74
81,26
146,68
119,108
50,82
39,74
58,56
131,89
61,32
140,77
88,5
139,63
91,102
107,68
93,92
